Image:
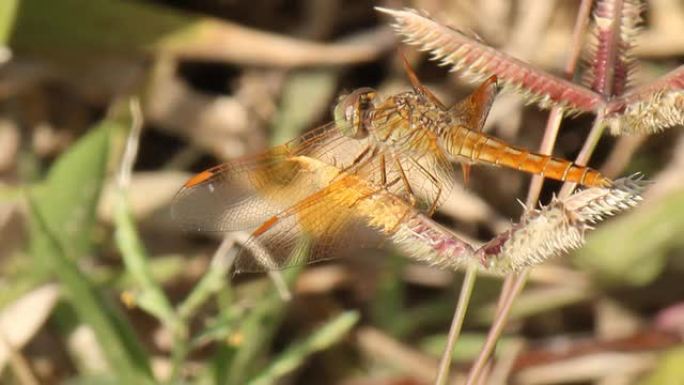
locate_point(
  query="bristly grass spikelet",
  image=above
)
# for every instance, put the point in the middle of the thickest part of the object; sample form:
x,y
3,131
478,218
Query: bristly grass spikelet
x,y
476,61
541,234
649,108
616,24
644,109
558,227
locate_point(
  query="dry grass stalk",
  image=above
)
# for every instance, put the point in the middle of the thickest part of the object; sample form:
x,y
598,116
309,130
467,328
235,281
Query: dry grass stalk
x,y
644,109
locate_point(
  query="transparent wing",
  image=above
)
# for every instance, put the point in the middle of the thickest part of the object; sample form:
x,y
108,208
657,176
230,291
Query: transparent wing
x,y
430,177
319,226
243,193
302,202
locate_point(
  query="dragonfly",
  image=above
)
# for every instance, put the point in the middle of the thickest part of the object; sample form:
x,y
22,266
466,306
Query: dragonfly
x,y
404,146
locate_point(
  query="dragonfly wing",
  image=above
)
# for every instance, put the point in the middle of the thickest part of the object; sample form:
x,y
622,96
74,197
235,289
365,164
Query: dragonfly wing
x,y
239,194
295,239
428,172
314,228
243,193
433,176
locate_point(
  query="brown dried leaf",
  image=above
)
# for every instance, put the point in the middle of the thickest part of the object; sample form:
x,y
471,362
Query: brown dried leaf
x,y
21,320
224,41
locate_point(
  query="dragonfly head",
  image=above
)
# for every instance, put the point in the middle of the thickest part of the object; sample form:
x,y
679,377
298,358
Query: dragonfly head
x,y
351,112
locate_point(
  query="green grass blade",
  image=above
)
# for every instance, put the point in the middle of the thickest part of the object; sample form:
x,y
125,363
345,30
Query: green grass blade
x,y
305,95
214,280
62,217
669,369
8,12
256,331
114,335
293,357
68,197
151,298
388,306
80,28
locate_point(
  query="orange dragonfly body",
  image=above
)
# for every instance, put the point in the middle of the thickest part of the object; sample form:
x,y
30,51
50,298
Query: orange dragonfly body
x,y
306,192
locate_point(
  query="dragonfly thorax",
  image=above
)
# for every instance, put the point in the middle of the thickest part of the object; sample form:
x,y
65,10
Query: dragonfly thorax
x,y
409,116
352,112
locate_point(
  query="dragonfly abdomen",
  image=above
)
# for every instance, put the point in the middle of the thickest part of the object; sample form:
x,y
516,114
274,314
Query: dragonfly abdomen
x,y
481,148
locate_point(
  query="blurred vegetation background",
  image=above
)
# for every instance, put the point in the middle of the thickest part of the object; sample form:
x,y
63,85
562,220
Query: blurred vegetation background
x,y
99,286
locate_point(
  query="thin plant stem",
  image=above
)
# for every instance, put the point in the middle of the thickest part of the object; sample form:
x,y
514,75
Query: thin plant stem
x,y
486,370
612,57
546,147
556,115
133,253
280,285
132,144
276,276
213,281
503,312
497,327
500,372
587,150
506,288
456,324
513,284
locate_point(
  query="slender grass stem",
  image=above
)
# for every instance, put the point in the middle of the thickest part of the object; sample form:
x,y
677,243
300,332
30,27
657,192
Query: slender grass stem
x,y
456,324
556,116
135,257
513,284
546,147
213,281
497,327
587,150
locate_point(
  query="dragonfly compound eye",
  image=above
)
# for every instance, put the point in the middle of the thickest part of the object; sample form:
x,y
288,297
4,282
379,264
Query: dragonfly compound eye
x,y
351,112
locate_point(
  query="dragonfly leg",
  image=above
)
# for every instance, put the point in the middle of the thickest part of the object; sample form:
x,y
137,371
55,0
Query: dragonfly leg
x,y
357,160
436,183
399,222
370,194
407,185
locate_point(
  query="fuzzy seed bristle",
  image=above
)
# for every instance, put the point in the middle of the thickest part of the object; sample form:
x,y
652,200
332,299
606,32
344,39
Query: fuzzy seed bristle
x,y
611,63
477,61
650,108
551,230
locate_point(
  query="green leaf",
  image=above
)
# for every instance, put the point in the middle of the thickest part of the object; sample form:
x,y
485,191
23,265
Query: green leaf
x,y
8,11
113,333
151,297
669,370
75,28
234,364
294,356
68,197
62,214
633,248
